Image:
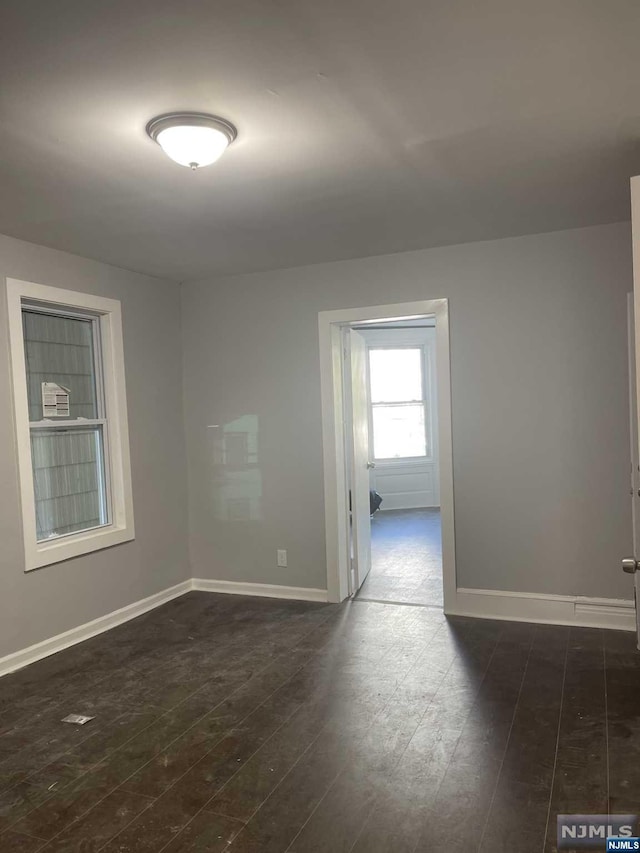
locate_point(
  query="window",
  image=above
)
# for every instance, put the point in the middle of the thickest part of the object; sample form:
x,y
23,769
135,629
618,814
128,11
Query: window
x,y
71,422
398,403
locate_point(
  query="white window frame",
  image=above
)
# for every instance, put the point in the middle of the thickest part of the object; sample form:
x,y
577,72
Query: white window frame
x,y
425,374
120,526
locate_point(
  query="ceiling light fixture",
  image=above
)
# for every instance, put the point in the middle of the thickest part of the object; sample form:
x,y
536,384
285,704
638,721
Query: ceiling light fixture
x,y
192,139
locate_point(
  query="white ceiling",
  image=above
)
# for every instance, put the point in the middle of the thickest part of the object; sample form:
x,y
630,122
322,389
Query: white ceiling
x,y
365,126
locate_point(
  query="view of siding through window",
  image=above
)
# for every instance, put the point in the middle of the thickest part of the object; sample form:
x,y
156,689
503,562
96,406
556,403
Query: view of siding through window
x,y
67,455
397,386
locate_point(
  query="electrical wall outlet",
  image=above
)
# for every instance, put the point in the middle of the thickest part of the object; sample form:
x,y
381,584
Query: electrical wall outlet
x,y
282,558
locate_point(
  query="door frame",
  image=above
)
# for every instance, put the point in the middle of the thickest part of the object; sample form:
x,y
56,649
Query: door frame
x,y
330,325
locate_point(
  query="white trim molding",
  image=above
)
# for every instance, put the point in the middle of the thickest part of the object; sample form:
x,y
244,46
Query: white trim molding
x,y
264,590
21,658
582,611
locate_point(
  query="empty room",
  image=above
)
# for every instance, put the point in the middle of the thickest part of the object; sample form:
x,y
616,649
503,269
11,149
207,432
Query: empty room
x,y
319,456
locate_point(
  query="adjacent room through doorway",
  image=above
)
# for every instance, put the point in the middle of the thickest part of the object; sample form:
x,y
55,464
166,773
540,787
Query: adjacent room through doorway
x,y
406,557
406,550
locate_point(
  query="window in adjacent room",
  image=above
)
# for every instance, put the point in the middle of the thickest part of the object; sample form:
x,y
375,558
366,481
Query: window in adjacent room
x,y
399,416
71,421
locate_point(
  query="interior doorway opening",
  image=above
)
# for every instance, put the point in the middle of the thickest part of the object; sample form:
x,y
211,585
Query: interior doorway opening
x,y
402,420
387,439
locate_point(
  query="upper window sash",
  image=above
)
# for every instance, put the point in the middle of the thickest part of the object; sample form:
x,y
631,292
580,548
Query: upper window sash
x,y
32,307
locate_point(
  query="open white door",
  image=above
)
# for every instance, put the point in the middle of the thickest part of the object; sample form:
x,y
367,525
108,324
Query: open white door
x,y
358,440
632,564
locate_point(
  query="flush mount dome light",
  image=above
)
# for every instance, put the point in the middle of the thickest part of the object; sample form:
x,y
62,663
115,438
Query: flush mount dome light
x,y
192,139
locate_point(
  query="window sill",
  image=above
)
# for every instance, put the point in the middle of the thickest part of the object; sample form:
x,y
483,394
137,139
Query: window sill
x,y
67,547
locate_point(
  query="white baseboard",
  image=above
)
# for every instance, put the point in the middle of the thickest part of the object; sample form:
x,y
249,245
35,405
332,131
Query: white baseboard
x,y
21,658
266,590
17,660
481,603
397,502
615,613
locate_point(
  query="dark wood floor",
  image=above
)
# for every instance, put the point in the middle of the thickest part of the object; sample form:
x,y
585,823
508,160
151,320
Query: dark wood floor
x,y
406,558
243,724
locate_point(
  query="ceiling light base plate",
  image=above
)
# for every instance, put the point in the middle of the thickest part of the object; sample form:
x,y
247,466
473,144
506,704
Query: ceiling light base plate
x,y
167,120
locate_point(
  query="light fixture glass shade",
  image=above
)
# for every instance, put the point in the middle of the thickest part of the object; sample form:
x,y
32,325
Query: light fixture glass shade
x,y
193,146
192,139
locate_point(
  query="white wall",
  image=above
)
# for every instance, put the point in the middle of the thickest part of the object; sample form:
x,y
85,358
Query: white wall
x,y
402,483
48,601
540,409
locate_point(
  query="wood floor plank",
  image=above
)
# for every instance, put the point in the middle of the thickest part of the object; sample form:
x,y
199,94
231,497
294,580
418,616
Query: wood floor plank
x,y
622,666
580,784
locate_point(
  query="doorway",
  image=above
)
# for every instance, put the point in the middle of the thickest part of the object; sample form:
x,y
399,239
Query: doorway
x,y
406,552
388,438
